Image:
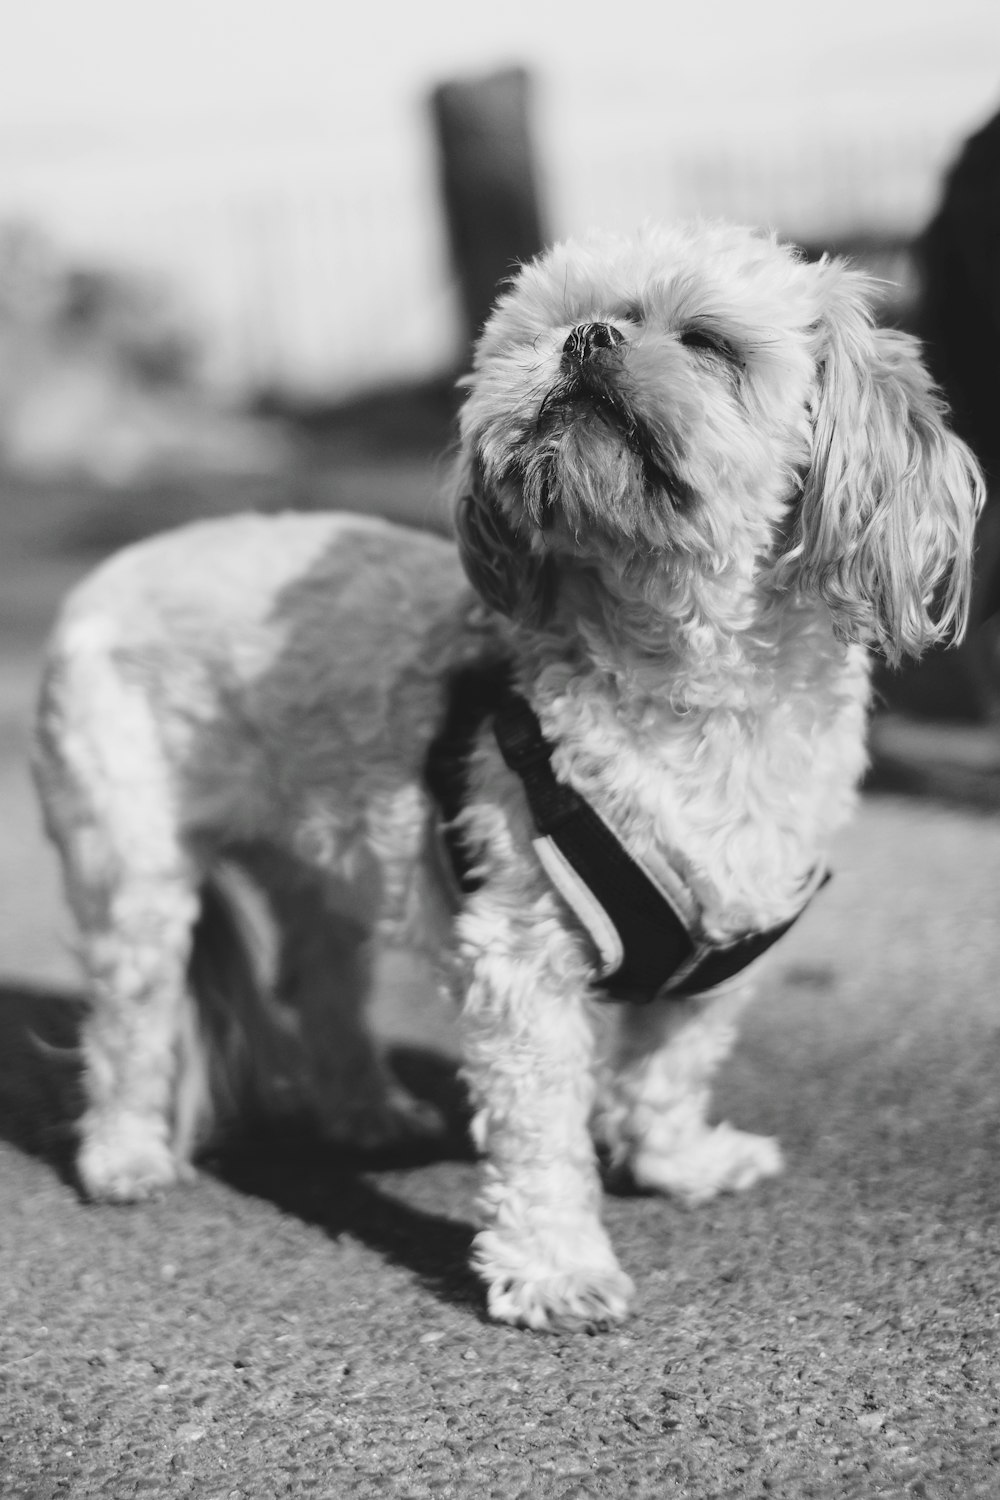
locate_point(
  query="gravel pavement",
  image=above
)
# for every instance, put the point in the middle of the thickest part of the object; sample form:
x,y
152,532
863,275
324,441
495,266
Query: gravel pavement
x,y
301,1322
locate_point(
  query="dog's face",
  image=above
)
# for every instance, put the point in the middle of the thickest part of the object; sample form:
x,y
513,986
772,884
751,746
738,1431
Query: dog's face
x,y
702,403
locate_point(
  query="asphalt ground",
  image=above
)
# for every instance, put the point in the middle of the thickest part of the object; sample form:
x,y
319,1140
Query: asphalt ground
x,y
302,1322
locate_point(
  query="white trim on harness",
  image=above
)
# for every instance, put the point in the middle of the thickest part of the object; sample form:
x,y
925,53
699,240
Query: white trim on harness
x,y
583,903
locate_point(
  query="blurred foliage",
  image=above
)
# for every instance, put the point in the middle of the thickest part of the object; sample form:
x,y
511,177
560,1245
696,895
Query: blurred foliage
x,y
127,319
100,375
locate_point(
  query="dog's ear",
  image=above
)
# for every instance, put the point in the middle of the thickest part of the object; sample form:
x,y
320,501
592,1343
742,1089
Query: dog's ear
x,y
885,525
500,563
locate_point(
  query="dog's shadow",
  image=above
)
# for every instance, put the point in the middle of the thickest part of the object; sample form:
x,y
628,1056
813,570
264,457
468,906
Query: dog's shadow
x,y
335,1189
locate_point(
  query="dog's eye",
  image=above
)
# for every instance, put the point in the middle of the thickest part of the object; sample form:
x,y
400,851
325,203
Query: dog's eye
x,y
705,341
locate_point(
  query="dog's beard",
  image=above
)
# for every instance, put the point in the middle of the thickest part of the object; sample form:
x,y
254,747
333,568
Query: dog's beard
x,y
596,465
585,400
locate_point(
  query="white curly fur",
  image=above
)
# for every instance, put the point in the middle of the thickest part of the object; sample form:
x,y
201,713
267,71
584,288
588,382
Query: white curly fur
x,y
685,551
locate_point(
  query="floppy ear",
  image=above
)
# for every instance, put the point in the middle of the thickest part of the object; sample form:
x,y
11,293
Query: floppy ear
x,y
499,563
887,515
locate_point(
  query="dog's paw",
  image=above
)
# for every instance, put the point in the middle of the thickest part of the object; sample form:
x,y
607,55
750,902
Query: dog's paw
x,y
393,1118
551,1297
128,1164
719,1159
568,1300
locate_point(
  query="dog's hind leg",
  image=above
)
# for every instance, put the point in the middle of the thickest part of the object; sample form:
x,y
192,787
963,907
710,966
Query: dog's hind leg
x,y
327,972
652,1112
143,1069
133,888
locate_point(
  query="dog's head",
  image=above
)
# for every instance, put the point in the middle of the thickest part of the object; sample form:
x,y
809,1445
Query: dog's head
x,y
702,403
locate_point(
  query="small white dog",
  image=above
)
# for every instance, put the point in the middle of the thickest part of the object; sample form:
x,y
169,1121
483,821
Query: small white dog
x,y
695,485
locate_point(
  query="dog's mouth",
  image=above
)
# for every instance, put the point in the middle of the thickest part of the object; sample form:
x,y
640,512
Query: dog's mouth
x,y
585,395
590,396
594,465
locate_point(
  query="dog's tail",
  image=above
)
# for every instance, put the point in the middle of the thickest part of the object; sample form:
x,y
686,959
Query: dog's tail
x,y
239,1047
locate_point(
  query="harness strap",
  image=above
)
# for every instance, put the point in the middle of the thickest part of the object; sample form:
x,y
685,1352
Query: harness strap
x,y
653,941
646,945
474,693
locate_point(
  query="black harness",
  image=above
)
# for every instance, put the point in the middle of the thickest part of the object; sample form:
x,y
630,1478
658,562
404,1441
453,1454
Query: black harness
x,y
647,947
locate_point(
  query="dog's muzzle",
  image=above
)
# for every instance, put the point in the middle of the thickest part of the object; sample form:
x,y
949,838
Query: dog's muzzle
x,y
592,370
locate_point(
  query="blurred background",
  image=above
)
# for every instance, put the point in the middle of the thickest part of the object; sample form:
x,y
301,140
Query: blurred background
x,y
249,193
244,246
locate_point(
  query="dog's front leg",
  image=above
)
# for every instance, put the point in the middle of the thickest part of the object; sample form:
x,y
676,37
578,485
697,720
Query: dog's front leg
x,y
652,1116
528,1049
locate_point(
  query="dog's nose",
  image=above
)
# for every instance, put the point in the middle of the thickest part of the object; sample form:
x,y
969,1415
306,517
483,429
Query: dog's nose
x,y
586,338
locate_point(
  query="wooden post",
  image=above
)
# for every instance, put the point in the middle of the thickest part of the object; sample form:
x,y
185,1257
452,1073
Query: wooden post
x,y
488,182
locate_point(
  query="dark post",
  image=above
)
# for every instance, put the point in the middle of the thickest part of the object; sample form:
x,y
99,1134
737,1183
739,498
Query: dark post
x,y
488,181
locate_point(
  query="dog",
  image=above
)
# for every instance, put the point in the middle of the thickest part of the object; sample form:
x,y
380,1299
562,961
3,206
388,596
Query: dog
x,y
696,488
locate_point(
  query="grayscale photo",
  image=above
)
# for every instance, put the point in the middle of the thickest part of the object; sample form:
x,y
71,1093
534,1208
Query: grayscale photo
x,y
500,751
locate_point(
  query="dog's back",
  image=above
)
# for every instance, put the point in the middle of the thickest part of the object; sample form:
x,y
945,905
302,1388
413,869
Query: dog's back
x,y
255,688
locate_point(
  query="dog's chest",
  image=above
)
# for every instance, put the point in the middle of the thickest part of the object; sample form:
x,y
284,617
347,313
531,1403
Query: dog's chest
x,y
740,805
